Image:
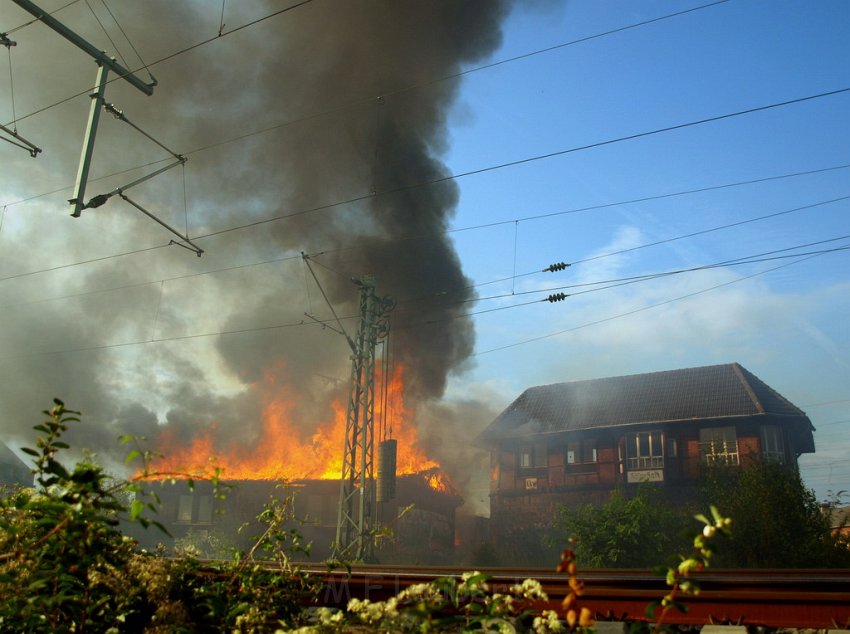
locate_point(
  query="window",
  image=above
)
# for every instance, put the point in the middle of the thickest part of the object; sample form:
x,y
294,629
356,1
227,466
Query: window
x,y
190,511
205,509
772,446
583,452
184,509
718,445
645,450
533,456
672,447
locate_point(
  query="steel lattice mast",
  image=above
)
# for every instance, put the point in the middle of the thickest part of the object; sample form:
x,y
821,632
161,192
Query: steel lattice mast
x,y
356,517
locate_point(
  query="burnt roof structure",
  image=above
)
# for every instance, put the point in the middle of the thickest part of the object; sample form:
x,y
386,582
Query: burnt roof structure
x,y
709,393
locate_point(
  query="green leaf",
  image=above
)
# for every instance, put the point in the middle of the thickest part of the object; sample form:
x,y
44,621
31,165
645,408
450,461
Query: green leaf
x,y
702,518
29,451
136,508
715,513
132,456
651,608
57,469
476,579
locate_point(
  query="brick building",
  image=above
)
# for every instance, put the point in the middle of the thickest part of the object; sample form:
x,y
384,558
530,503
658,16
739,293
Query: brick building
x,y
574,443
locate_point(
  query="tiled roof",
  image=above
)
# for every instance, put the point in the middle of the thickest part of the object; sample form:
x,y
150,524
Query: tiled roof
x,y
709,392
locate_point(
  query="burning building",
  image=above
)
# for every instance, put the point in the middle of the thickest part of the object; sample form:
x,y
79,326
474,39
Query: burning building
x,y
419,520
574,443
408,493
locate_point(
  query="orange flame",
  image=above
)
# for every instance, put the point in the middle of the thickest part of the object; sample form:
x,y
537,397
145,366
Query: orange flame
x,y
439,481
282,453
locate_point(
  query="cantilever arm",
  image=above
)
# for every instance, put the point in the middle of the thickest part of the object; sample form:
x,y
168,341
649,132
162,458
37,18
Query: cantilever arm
x,y
198,250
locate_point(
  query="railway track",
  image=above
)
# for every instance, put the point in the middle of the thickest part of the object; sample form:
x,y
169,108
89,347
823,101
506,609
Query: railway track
x,y
767,598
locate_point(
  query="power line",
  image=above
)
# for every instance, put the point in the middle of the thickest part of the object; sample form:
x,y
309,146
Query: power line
x,y
614,283
397,91
142,342
675,238
106,33
823,403
168,57
430,322
638,310
33,21
701,232
718,228
443,179
763,217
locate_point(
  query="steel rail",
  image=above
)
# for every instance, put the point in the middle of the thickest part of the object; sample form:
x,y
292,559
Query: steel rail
x,y
765,598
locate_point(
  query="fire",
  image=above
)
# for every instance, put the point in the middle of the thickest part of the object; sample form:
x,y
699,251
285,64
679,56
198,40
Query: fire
x,y
283,453
439,480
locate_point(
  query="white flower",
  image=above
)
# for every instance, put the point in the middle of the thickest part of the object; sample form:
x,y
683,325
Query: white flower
x,y
501,603
530,589
547,622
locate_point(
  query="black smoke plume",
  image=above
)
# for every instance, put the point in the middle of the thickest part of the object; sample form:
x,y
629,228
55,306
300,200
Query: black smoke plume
x,y
350,103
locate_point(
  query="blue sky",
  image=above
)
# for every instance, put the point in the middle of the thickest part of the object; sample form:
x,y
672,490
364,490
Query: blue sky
x,y
787,326
124,329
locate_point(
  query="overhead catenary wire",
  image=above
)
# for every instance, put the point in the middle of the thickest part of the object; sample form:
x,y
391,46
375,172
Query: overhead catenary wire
x,y
799,257
320,263
129,41
170,56
636,310
431,182
320,323
106,33
34,20
221,19
408,87
734,262
558,266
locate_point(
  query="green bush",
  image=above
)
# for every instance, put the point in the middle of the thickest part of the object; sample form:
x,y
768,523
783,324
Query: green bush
x,y
65,566
636,531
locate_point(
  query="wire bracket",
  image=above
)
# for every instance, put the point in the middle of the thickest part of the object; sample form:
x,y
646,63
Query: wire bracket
x,y
186,244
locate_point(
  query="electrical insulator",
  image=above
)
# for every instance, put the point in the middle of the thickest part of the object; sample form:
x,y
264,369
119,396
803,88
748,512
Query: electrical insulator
x,y
557,297
558,266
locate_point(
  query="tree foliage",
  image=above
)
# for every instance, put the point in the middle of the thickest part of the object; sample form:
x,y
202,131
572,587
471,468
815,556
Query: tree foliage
x,y
632,530
778,521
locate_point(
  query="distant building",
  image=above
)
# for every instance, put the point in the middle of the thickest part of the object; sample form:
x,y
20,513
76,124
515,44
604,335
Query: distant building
x,y
574,443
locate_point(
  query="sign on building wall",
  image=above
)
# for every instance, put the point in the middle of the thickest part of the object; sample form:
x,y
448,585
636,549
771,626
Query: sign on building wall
x,y
645,475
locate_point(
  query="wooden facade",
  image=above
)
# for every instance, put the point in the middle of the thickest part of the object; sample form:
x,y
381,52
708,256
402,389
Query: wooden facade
x,y
575,443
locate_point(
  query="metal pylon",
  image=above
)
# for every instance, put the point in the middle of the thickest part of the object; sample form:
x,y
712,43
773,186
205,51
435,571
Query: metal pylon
x,y
356,516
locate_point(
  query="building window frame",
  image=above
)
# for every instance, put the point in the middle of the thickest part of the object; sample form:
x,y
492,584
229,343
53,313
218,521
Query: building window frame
x,y
719,446
582,452
772,443
645,450
534,456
